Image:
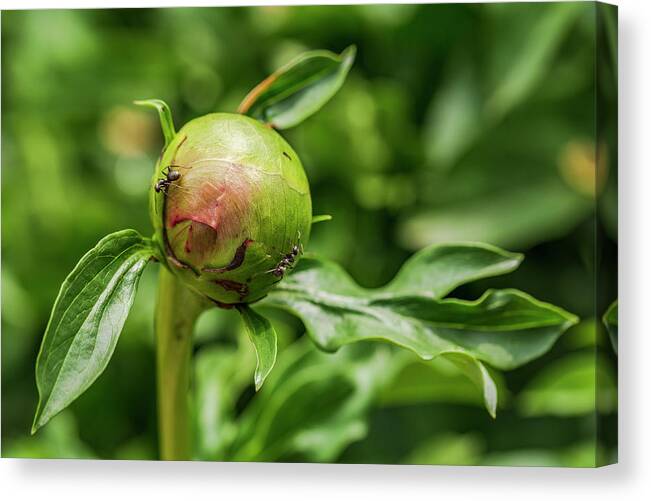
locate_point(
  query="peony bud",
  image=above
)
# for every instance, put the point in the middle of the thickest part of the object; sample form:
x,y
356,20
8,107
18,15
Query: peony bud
x,y
231,207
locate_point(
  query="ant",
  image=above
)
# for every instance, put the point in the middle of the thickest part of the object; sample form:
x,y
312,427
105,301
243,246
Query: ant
x,y
170,173
287,261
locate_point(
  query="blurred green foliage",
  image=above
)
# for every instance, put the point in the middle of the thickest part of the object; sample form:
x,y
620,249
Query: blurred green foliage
x,y
457,122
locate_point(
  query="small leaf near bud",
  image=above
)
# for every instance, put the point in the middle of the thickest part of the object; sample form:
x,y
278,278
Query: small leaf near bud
x,y
165,115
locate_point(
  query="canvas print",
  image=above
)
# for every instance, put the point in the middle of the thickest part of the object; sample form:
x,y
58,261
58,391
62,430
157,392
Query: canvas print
x,y
334,234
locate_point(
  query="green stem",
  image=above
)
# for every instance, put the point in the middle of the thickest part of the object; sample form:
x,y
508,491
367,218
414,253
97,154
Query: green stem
x,y
177,309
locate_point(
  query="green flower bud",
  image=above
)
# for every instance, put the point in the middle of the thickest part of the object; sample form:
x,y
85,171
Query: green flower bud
x,y
231,207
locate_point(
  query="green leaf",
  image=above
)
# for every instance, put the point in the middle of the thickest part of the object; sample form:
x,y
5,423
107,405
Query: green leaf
x,y
581,455
438,269
531,55
527,457
441,380
448,449
321,218
165,116
460,114
298,89
610,320
521,217
87,319
314,404
60,440
478,374
504,328
568,387
454,118
221,374
263,336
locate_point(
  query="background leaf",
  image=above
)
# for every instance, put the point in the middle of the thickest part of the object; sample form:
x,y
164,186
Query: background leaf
x,y
87,319
454,118
568,387
530,56
59,439
521,217
221,374
448,449
611,322
263,336
298,89
314,403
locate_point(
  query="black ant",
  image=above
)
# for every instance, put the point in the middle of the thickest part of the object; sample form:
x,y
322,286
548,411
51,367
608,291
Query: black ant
x,y
287,262
164,183
170,173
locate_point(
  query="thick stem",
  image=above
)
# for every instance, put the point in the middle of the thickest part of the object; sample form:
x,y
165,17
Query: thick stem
x,y
177,309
